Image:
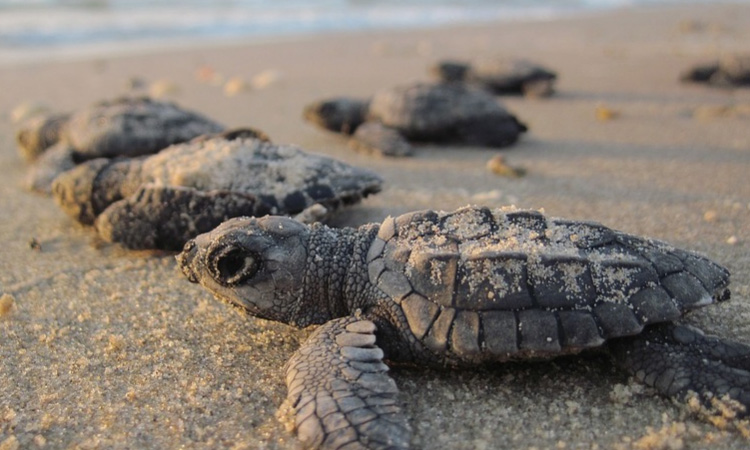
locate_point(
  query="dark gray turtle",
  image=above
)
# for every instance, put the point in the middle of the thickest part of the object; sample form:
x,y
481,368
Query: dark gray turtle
x,y
500,76
122,127
459,289
425,112
162,200
728,71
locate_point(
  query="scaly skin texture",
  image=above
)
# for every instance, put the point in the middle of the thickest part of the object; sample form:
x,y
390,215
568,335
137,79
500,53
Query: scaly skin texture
x,y
697,363
462,288
340,390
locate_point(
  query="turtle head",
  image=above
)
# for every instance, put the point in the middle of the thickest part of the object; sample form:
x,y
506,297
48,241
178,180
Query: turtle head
x,y
257,264
38,132
449,71
342,115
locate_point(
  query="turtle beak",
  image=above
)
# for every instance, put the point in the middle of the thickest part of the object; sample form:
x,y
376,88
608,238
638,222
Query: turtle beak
x,y
185,260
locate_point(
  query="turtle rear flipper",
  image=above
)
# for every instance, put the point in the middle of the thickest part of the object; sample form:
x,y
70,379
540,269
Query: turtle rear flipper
x,y
340,392
677,360
539,87
165,217
375,138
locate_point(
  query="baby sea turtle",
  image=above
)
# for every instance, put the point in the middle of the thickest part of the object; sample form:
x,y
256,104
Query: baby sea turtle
x,y
384,124
500,76
122,127
728,71
162,200
459,289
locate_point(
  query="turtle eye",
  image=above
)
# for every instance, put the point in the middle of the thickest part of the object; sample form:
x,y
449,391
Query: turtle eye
x,y
233,265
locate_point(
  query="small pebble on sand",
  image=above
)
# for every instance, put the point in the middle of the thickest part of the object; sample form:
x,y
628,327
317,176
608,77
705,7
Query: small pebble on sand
x,y
499,166
207,74
235,85
10,444
6,304
604,113
163,88
710,215
266,78
34,244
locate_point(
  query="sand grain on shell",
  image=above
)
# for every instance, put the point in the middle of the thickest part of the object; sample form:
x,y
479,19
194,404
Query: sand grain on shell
x,y
245,165
478,245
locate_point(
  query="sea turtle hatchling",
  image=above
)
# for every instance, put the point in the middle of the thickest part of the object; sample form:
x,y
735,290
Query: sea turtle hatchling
x,y
728,71
500,76
162,200
127,126
426,112
459,289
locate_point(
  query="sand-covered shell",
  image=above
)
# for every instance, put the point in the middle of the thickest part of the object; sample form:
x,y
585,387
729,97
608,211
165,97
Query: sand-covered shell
x,y
500,76
162,200
495,284
447,113
433,112
124,127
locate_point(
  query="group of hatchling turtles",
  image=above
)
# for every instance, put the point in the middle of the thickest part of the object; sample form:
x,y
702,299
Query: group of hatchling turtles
x,y
436,288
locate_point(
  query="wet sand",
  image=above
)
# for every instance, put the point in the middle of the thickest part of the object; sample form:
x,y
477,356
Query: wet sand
x,y
101,347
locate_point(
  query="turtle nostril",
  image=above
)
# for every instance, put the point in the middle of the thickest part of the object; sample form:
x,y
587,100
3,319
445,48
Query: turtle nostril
x,y
189,245
185,261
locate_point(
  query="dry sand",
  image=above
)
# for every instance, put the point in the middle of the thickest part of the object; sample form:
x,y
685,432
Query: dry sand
x,y
106,348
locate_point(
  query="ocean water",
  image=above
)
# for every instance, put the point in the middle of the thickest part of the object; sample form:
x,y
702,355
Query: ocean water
x,y
33,26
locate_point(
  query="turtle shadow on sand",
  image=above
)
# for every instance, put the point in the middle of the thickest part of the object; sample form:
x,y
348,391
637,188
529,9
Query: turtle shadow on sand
x,y
421,112
459,289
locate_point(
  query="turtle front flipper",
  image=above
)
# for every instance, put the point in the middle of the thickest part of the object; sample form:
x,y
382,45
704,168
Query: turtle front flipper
x,y
165,217
341,393
678,359
340,115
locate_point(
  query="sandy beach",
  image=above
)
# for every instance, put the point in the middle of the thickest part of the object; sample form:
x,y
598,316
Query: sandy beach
x,y
101,347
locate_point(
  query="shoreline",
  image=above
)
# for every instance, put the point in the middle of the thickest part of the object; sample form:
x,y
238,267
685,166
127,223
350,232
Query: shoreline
x,y
260,33
108,348
20,55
